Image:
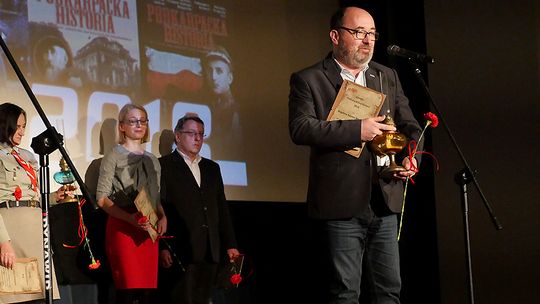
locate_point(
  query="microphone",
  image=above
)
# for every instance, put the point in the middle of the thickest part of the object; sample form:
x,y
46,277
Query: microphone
x,y
397,51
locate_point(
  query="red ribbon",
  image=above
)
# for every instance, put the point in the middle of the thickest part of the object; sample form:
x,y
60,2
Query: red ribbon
x,y
412,152
29,170
82,231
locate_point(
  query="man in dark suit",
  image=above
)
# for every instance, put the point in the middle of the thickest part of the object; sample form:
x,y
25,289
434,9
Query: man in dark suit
x,y
353,204
194,200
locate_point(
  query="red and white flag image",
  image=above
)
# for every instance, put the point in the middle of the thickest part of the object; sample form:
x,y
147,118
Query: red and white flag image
x,y
166,70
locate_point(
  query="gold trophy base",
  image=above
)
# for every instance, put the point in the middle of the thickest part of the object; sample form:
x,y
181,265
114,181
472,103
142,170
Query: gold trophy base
x,y
392,169
68,200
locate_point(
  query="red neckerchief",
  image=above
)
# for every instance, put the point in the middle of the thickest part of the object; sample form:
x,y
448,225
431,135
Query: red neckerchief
x,y
29,170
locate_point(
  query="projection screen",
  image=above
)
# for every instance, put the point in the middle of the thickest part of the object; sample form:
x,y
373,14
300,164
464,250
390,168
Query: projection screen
x,y
227,61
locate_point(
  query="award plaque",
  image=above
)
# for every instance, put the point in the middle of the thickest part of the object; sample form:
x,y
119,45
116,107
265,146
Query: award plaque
x,y
23,278
144,206
355,102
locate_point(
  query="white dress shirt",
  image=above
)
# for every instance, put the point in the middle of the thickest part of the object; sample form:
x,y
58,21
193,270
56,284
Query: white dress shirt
x,y
193,166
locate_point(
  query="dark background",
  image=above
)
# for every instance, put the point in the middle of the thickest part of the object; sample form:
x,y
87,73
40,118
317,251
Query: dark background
x,y
486,83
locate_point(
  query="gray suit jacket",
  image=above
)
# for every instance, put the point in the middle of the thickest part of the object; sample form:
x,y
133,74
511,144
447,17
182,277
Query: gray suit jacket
x,y
339,184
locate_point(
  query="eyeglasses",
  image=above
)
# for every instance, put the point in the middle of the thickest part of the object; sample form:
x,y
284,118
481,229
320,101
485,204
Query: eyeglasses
x,y
361,34
193,134
134,122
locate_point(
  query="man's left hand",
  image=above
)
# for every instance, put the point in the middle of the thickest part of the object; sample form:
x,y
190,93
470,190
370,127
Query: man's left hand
x,y
411,169
233,253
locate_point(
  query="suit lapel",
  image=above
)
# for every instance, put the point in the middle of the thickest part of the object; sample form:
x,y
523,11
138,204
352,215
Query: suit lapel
x,y
331,71
180,163
374,82
204,176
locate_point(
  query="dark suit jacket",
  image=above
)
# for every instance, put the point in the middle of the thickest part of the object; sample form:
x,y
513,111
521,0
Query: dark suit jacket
x,y
339,184
197,217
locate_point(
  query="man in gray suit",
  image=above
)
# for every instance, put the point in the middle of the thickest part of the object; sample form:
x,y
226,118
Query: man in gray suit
x,y
354,205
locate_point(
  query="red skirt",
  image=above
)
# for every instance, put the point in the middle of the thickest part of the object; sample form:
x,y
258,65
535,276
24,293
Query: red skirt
x,y
132,255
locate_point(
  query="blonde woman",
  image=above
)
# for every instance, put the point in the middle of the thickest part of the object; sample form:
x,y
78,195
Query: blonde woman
x,y
124,170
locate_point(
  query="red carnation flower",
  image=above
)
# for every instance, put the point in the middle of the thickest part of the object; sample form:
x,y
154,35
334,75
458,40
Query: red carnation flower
x,y
236,279
94,265
17,193
434,120
141,219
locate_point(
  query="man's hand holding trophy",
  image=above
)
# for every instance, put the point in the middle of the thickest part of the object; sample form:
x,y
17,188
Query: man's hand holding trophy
x,y
389,143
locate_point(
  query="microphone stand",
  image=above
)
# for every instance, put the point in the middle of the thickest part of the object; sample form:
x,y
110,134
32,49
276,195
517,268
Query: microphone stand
x,y
44,144
462,178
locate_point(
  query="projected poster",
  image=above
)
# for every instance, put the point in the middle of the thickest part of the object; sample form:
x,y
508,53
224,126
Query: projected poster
x,y
187,68
85,43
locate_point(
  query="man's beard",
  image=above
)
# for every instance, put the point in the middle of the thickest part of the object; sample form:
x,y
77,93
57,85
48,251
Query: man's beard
x,y
352,57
